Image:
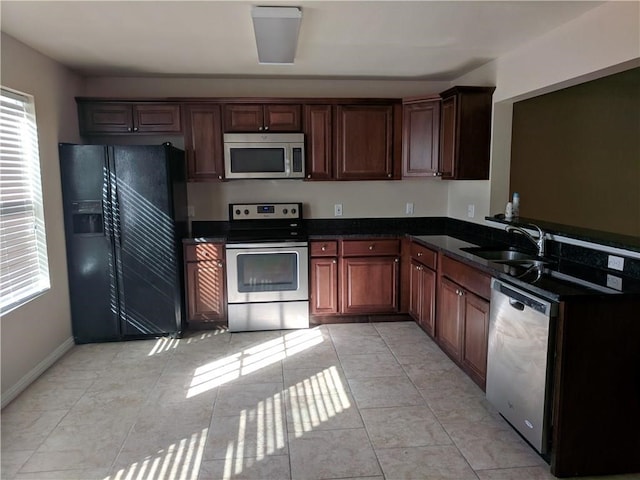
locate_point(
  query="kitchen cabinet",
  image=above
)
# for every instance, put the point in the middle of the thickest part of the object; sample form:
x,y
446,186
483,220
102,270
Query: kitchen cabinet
x,y
318,129
366,140
98,118
324,278
205,285
262,118
421,137
353,141
203,142
422,285
369,274
462,324
465,133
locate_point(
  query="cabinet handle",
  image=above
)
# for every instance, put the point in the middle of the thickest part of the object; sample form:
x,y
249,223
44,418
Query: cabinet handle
x,y
437,174
335,261
371,247
324,248
389,175
260,128
266,128
219,177
135,129
309,176
129,129
220,264
397,260
419,254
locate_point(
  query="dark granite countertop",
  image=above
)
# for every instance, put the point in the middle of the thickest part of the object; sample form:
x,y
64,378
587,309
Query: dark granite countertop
x,y
560,279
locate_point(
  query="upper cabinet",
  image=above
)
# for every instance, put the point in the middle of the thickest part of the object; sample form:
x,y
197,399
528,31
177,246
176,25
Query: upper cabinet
x,y
203,142
364,142
421,137
465,133
98,118
262,118
353,141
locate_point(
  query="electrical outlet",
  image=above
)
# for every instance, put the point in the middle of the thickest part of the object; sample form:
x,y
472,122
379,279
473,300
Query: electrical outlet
x,y
337,210
616,263
191,211
409,208
471,210
614,282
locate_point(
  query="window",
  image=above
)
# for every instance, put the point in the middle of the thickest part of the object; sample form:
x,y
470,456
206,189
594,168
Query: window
x,y
24,269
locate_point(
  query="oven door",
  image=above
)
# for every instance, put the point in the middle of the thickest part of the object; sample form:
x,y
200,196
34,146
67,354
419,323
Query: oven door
x,y
267,272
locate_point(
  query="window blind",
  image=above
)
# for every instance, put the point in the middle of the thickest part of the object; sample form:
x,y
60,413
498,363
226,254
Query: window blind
x,y
24,269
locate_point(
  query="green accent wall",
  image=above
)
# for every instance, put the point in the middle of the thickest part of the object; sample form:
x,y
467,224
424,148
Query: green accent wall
x,y
575,155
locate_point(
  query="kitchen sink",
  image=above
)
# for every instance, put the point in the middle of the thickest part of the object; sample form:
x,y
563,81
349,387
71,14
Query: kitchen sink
x,y
507,256
500,254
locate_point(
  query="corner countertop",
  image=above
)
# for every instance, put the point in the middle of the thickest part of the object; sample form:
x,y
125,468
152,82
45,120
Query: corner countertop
x,y
556,281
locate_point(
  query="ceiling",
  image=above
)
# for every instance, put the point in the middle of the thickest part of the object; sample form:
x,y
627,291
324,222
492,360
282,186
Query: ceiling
x,y
414,40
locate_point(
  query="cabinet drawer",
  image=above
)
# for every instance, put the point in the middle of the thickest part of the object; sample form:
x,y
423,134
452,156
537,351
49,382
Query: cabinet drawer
x,y
372,247
466,276
423,255
204,251
327,248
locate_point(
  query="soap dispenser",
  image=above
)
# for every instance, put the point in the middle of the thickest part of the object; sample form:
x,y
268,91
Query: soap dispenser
x,y
515,209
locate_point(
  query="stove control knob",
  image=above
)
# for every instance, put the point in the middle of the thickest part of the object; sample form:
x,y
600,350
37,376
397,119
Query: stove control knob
x,y
238,212
246,212
285,211
293,211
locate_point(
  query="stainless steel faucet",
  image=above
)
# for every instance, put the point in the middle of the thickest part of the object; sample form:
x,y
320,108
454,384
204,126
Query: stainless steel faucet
x,y
538,242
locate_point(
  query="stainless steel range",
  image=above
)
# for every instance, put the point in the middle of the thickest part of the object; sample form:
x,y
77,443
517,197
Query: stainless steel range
x,y
267,267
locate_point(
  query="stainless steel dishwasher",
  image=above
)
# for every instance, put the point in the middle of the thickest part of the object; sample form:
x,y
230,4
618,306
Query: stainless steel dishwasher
x,y
520,360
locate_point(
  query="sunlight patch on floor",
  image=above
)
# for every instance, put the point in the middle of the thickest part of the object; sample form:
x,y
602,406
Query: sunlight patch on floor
x,y
252,359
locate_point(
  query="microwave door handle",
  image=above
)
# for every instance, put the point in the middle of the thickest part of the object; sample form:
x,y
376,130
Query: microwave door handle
x,y
287,161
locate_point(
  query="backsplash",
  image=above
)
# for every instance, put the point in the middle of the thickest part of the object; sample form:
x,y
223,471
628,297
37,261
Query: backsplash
x,y
480,234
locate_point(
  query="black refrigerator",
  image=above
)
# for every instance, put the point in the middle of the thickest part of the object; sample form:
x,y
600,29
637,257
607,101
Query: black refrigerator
x,y
125,214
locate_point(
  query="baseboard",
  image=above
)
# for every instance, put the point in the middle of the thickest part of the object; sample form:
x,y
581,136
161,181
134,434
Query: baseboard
x,y
35,372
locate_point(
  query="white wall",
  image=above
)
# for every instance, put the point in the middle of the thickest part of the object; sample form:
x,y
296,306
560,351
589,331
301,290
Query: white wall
x,y
603,41
34,334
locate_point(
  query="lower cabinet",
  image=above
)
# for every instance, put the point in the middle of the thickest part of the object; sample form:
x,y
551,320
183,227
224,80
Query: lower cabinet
x,y
205,285
323,271
462,325
422,287
354,277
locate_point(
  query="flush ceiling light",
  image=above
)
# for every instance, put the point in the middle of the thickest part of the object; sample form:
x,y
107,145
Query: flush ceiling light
x,y
276,31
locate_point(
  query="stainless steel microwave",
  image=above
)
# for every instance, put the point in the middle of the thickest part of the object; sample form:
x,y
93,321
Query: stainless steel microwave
x,y
263,155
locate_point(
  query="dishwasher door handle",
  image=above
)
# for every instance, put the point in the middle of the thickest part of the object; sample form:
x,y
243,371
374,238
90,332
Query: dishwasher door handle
x,y
516,304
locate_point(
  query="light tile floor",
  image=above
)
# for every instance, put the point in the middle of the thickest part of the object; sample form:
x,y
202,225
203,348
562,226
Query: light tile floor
x,y
351,401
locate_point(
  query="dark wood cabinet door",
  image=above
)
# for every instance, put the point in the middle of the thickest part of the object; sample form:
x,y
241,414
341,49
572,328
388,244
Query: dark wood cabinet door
x,y
421,138
364,142
157,118
324,285
205,291
449,318
476,337
448,137
262,118
318,131
415,294
369,285
283,118
103,117
243,118
203,142
428,300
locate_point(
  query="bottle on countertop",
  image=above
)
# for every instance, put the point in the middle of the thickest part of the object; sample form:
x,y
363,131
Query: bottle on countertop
x,y
516,204
508,211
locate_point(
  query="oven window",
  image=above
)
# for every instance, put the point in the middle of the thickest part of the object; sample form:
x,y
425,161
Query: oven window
x,y
267,272
257,160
